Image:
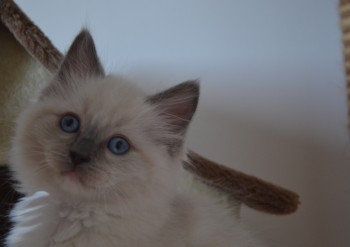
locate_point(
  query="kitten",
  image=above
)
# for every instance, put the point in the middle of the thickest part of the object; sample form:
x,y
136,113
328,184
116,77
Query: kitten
x,y
100,162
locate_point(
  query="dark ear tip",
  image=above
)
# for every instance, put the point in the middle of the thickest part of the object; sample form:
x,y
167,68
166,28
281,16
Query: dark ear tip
x,y
189,88
192,85
85,31
84,35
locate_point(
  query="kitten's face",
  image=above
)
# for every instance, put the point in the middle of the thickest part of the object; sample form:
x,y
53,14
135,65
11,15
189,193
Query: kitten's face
x,y
92,135
102,111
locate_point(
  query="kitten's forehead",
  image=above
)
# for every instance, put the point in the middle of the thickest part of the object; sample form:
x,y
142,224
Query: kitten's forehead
x,y
112,88
108,101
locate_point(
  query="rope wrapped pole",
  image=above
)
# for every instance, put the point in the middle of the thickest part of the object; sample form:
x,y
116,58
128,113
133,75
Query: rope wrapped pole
x,y
344,10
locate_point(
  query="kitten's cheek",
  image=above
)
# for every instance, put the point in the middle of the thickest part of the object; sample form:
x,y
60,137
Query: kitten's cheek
x,y
57,162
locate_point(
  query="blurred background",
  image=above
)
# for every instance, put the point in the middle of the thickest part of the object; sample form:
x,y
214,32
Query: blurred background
x,y
273,100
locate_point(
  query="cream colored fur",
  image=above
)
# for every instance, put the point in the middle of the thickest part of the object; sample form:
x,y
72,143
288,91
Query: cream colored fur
x,y
127,200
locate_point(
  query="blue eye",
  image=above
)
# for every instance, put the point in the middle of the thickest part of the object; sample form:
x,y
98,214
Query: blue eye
x,y
118,145
70,123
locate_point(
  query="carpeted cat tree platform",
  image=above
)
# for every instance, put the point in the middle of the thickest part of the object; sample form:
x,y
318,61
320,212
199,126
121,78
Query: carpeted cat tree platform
x,y
28,59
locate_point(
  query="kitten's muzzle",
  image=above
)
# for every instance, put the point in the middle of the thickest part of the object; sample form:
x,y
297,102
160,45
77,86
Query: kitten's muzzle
x,y
81,151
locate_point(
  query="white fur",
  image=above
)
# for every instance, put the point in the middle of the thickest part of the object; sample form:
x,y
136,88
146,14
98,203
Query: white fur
x,y
189,221
128,201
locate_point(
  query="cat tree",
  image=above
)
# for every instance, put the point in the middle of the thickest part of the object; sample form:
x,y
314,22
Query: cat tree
x,y
28,58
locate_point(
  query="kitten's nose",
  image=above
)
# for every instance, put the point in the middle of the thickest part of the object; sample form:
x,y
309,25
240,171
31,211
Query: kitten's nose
x,y
81,151
78,159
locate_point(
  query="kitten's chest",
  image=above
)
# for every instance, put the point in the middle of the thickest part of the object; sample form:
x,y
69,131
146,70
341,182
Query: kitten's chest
x,y
78,226
91,227
82,227
53,224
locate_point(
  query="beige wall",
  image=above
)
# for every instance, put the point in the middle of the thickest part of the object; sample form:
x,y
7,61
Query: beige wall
x,y
319,174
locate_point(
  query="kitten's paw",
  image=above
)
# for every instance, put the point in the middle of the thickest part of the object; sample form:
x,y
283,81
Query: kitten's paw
x,y
30,206
32,217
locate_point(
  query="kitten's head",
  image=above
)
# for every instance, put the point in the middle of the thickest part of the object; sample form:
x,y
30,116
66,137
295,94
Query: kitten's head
x,y
91,134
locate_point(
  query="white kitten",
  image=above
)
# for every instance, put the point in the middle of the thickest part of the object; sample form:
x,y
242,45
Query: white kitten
x,y
99,162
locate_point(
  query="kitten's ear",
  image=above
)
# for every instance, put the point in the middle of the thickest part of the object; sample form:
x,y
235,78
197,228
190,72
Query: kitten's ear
x,y
80,63
81,60
177,105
